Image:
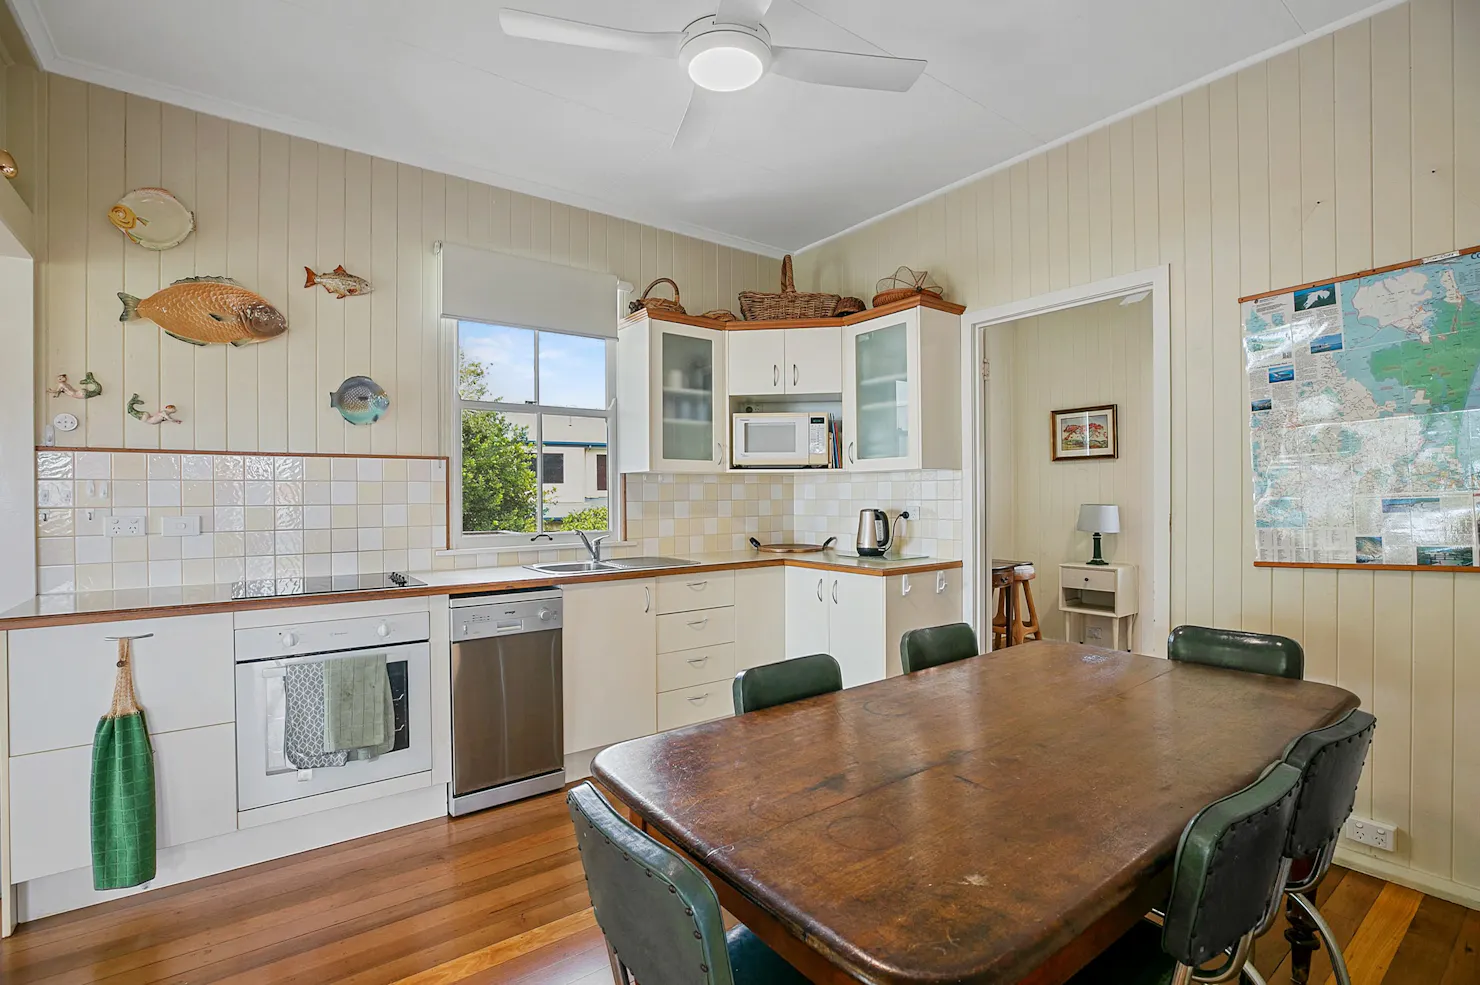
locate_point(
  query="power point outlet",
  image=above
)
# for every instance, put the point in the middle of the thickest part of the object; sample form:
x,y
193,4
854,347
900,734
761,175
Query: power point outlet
x,y
125,526
913,509
1374,834
181,526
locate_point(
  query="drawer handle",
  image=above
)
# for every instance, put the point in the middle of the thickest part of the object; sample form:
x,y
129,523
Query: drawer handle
x,y
698,586
699,661
699,623
699,699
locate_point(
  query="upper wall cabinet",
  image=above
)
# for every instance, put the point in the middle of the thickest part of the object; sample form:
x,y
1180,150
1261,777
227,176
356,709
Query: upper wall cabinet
x,y
782,361
670,397
902,392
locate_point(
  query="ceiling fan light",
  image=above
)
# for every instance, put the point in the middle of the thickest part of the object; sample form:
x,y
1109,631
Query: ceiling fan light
x,y
726,60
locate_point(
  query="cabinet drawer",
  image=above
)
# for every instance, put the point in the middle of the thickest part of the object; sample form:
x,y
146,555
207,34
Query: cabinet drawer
x,y
61,678
690,630
684,593
1094,581
686,668
692,705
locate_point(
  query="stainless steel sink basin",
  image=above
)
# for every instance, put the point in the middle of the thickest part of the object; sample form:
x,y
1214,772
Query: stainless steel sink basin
x,y
632,563
571,567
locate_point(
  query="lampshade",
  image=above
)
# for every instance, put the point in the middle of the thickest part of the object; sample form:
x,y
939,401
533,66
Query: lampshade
x,y
1099,518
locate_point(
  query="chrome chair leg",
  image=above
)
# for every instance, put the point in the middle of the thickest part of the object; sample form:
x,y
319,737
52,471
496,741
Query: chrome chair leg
x,y
1338,961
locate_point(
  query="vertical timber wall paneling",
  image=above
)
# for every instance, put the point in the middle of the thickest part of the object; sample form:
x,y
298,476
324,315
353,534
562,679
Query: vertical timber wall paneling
x,y
266,206
1358,149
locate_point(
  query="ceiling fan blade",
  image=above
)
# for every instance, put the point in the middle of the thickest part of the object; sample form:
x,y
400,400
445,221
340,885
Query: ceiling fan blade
x,y
744,12
846,68
541,27
699,120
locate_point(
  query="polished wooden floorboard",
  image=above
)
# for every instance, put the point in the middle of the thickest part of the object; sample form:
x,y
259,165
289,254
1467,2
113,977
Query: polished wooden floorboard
x,y
499,897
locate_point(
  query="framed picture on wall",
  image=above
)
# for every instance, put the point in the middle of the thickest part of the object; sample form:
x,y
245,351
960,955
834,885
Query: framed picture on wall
x,y
1085,432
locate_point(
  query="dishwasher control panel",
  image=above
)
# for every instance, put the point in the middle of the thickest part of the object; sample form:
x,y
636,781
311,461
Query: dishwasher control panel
x,y
483,617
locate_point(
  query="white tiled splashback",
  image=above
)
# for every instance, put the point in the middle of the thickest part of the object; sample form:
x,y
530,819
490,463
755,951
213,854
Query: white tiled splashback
x,y
261,516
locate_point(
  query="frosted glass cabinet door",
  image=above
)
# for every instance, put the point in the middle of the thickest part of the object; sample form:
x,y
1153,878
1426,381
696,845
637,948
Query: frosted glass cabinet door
x,y
690,380
879,398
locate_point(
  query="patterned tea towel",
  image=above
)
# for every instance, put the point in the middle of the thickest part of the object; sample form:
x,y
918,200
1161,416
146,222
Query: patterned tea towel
x,y
303,730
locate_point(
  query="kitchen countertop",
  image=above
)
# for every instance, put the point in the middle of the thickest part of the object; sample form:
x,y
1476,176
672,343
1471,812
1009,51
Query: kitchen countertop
x,y
151,603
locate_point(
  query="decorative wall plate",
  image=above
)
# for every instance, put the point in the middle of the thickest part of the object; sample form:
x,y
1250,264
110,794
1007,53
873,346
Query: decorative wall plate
x,y
153,218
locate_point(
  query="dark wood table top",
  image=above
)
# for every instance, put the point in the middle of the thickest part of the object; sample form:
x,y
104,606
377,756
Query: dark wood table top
x,y
966,823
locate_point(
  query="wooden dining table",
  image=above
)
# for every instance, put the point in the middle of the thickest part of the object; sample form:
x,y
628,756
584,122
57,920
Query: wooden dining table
x,y
1000,819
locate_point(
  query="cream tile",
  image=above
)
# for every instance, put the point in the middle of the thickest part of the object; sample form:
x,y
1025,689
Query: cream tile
x,y
369,516
316,565
343,493
229,570
393,470
259,543
368,492
164,548
197,492
134,574
419,492
164,574
370,562
259,567
196,467
54,492
288,494
226,467
94,577
344,539
394,538
288,468
53,465
289,518
92,492
165,492
418,559
316,517
53,579
418,470
260,517
344,564
54,523
371,539
316,493
90,523
370,469
91,465
197,547
55,551
393,492
288,566
317,541
130,465
197,571
394,515
164,467
259,493
130,549
258,468
288,542
230,518
394,560
229,492
344,516
230,544
343,469
317,469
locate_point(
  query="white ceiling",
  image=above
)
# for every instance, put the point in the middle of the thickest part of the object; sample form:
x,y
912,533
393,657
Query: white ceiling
x,y
435,83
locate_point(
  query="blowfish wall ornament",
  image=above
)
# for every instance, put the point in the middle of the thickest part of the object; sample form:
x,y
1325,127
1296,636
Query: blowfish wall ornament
x,y
360,400
88,388
338,282
207,311
136,409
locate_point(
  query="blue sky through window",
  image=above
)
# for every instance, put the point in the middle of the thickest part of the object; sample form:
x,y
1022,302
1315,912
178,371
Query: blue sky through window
x,y
572,367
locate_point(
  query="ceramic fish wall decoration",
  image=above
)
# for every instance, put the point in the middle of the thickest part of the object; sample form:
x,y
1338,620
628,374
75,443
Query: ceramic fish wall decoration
x,y
136,409
88,388
360,400
338,282
208,311
152,218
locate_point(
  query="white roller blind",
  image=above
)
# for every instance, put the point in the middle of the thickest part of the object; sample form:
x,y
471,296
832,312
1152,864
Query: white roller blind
x,y
502,289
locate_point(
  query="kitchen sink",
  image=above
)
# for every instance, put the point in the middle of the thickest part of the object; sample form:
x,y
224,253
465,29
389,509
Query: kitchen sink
x,y
572,567
634,563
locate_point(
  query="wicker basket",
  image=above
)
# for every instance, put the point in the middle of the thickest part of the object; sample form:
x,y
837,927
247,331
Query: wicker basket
x,y
789,304
905,283
850,306
719,314
658,304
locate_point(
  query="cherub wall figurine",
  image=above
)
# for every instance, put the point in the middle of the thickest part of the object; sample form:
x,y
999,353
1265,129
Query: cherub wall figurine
x,y
136,409
88,388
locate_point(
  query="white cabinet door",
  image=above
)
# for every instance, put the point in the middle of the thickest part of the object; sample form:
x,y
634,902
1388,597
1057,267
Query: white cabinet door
x,y
881,407
689,418
194,789
758,361
610,663
61,678
855,626
760,616
814,360
807,609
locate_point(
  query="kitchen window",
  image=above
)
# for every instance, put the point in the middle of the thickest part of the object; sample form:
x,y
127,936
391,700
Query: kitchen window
x,y
534,419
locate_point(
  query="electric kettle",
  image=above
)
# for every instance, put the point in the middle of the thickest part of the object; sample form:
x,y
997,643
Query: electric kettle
x,y
873,533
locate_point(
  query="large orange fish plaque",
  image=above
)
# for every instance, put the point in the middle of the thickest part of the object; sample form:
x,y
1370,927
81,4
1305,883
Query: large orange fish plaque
x,y
208,311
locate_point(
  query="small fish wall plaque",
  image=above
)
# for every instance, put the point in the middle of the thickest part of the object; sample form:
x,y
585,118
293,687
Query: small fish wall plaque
x,y
152,218
360,400
338,282
88,388
136,410
208,311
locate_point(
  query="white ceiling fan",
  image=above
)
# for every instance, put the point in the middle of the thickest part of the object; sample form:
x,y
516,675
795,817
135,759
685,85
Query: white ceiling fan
x,y
727,52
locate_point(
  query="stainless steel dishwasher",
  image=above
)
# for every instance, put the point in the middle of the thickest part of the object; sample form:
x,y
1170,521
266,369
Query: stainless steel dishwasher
x,y
508,727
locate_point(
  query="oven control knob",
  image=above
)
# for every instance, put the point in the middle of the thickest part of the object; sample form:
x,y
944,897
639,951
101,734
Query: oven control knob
x,y
289,640
546,615
382,631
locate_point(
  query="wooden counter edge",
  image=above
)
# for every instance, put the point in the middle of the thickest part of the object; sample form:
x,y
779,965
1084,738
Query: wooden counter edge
x,y
244,605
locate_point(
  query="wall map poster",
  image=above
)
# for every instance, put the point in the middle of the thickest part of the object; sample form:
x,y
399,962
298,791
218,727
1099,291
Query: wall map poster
x,y
1364,417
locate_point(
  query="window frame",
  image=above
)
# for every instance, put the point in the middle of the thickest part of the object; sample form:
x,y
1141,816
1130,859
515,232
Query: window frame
x,y
539,540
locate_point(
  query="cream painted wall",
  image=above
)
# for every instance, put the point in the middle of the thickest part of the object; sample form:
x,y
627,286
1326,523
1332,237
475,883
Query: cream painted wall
x,y
1086,356
1355,150
267,205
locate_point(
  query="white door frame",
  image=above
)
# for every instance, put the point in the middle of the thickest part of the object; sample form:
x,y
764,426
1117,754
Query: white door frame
x,y
1153,624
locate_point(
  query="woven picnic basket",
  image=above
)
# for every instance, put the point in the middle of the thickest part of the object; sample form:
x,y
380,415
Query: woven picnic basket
x,y
658,304
790,303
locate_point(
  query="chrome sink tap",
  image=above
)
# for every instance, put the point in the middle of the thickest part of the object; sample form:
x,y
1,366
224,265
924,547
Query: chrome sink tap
x,y
593,547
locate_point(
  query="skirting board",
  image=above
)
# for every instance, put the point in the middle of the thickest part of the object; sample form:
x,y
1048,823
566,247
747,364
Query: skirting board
x,y
72,890
1424,882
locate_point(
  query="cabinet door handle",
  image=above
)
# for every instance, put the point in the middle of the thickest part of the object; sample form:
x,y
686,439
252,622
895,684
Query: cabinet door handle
x,y
719,456
794,377
851,456
699,661
819,589
775,374
699,699
699,623
835,593
698,586
647,599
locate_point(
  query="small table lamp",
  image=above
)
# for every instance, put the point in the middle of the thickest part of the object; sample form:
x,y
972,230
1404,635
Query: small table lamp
x,y
1099,518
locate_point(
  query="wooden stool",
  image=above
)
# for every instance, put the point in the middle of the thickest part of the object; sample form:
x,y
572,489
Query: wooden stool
x,y
1002,585
1025,624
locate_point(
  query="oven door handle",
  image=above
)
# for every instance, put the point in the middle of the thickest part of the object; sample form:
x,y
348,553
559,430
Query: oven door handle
x,y
274,666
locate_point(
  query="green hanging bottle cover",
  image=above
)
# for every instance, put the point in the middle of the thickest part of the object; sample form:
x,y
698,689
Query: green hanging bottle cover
x,y
123,833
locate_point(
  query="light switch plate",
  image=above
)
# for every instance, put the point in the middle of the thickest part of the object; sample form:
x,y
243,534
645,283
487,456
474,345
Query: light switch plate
x,y
181,526
125,526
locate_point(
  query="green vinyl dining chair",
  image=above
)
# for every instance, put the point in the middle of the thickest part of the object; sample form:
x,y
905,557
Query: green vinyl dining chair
x,y
1227,879
659,915
936,645
1259,653
787,680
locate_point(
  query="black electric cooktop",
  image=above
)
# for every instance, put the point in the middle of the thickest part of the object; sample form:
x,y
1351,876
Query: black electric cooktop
x,y
266,588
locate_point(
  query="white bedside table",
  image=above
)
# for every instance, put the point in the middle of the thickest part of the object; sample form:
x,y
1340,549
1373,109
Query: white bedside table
x,y
1106,590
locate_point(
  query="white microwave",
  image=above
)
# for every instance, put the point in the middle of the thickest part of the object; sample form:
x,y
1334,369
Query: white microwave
x,y
781,441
